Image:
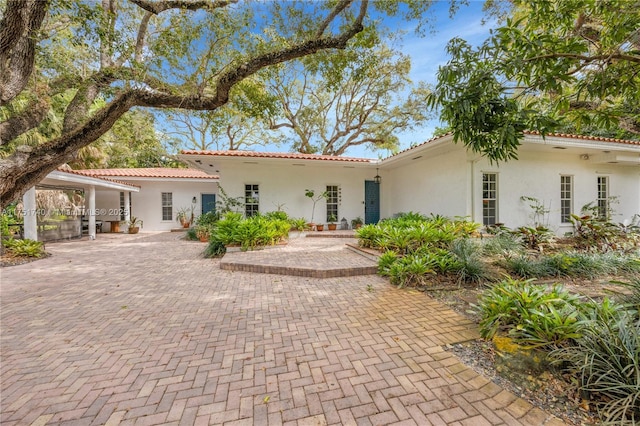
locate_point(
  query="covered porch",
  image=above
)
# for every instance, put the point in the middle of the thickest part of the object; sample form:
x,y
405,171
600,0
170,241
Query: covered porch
x,y
63,204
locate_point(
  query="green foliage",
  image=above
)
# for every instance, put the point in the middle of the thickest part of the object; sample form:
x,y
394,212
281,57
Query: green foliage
x,y
226,204
550,63
411,270
299,224
591,232
385,261
279,215
468,264
191,235
501,244
25,248
256,231
606,361
207,219
571,264
215,248
533,315
532,238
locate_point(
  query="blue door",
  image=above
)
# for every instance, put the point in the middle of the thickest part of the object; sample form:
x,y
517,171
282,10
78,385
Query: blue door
x,y
371,201
208,203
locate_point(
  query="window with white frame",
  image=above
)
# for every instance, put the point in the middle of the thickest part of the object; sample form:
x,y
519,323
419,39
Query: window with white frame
x,y
489,198
333,201
251,200
167,206
566,198
603,197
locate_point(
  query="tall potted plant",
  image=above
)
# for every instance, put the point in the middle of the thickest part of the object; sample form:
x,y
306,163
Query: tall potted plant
x,y
311,194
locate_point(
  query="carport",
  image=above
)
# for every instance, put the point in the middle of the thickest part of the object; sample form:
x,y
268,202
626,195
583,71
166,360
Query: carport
x,y
67,180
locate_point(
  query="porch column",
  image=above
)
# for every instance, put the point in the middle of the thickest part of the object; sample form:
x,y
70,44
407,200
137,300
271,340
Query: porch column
x,y
30,218
127,206
91,198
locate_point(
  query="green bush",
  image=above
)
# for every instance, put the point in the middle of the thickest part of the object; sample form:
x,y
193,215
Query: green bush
x,y
572,264
279,214
385,261
191,235
468,265
256,231
606,361
207,219
215,248
411,270
532,315
501,244
299,224
25,248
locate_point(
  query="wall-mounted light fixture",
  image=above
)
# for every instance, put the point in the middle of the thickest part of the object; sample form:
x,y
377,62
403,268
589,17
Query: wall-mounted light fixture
x,y
194,200
377,179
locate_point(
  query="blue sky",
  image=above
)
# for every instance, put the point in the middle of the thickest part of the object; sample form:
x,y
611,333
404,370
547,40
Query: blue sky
x,y
428,53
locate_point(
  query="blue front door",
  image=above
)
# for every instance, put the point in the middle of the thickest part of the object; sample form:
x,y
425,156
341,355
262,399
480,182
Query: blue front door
x,y
371,201
208,203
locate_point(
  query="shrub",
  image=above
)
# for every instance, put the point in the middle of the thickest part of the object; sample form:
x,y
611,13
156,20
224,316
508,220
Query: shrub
x,y
533,315
279,215
215,248
606,361
411,270
207,219
299,224
385,261
533,237
571,264
255,231
25,248
501,244
191,235
468,265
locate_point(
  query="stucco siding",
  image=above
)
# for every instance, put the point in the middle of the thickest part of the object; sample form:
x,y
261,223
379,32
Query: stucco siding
x,y
431,184
283,186
147,204
537,174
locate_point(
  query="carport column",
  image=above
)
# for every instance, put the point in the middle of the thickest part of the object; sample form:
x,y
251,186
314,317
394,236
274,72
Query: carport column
x,y
92,212
127,206
30,218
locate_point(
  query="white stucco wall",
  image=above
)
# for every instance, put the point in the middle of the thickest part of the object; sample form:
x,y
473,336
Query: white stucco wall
x,y
537,174
431,184
448,181
147,204
283,184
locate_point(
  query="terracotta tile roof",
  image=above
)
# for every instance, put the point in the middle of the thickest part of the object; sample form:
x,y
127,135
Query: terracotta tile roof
x,y
152,172
66,169
287,155
556,135
588,138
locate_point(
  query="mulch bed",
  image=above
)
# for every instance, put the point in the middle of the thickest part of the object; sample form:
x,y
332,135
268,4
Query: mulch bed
x,y
8,259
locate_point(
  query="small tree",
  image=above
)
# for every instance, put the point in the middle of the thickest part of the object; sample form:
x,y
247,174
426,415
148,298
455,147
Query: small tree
x,y
314,199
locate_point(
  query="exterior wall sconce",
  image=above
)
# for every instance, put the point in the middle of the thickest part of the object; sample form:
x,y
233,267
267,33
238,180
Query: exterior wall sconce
x,y
377,179
194,200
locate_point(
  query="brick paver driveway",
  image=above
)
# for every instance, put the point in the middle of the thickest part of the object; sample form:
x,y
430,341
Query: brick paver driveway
x,y
141,330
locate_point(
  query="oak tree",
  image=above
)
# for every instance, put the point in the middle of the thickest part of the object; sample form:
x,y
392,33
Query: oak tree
x,y
185,54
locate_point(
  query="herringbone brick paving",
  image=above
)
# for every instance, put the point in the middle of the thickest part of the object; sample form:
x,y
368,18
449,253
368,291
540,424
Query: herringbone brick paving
x,y
141,330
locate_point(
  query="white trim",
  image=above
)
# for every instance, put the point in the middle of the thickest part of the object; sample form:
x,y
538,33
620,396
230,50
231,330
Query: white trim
x,y
90,181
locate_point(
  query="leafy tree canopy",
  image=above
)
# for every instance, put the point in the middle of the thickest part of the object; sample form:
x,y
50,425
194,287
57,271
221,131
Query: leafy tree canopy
x,y
70,56
553,65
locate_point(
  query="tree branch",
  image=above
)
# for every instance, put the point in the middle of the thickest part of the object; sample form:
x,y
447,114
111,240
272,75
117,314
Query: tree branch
x,y
157,7
18,29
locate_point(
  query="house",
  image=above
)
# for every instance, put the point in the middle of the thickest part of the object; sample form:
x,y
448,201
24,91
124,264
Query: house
x,y
563,172
68,202
163,191
64,202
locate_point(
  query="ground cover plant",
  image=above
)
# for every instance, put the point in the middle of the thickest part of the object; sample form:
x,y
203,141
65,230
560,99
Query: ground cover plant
x,y
583,338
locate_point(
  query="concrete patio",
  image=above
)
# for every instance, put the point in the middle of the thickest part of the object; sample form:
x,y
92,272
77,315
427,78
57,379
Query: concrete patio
x,y
142,330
